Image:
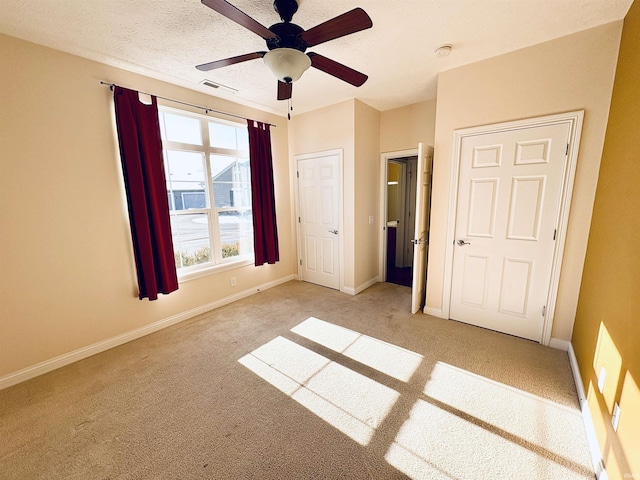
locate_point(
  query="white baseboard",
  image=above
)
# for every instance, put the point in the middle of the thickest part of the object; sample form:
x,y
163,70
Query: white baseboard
x,y
434,312
367,284
558,344
594,448
84,352
360,288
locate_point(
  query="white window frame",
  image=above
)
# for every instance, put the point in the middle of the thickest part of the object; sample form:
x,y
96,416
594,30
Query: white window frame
x,y
217,264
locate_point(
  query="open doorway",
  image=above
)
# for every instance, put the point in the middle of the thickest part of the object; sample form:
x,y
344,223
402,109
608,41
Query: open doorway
x,y
405,200
400,219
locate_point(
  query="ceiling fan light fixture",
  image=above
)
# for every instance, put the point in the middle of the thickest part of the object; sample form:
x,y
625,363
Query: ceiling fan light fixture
x,y
287,64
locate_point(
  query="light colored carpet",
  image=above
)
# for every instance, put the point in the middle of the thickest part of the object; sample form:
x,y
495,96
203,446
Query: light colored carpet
x,y
303,382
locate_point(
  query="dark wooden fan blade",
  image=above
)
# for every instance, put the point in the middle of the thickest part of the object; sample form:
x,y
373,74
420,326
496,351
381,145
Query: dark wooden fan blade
x,y
345,24
205,67
284,90
338,70
238,16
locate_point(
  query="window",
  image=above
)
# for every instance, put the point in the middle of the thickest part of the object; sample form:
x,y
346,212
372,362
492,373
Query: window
x,y
209,189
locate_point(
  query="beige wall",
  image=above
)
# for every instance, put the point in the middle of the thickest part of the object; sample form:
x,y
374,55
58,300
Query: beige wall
x,y
570,73
67,279
607,327
367,187
403,128
332,128
353,127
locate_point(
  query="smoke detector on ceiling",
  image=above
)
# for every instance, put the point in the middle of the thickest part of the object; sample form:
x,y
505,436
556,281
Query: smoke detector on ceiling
x,y
443,50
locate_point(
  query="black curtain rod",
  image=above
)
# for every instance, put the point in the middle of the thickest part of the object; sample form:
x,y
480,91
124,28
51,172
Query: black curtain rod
x,y
206,109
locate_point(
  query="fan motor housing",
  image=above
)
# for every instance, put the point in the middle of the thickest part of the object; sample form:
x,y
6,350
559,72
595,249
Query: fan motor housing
x,y
289,36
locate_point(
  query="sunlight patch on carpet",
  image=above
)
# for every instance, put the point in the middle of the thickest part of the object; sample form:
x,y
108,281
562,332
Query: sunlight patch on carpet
x,y
387,358
436,443
470,426
352,403
528,417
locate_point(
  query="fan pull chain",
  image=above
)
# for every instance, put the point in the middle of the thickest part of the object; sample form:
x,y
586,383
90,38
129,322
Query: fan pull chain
x,y
290,108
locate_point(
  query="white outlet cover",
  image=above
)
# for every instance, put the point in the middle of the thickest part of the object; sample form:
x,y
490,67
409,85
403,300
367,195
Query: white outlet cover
x,y
601,376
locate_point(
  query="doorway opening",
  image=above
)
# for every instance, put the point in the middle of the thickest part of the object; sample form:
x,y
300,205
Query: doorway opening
x,y
400,219
411,191
405,203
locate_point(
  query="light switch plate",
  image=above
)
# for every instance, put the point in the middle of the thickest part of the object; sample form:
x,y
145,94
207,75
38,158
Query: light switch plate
x,y
615,418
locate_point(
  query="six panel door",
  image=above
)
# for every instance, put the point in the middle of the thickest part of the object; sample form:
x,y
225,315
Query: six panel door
x,y
319,204
509,193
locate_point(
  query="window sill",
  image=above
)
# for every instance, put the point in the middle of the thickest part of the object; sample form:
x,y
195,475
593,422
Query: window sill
x,y
213,269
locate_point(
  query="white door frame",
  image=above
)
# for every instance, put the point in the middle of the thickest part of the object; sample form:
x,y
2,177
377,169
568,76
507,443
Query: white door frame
x,y
306,156
382,239
575,120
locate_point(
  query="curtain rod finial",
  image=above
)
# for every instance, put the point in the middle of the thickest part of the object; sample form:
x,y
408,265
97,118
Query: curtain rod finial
x,y
111,86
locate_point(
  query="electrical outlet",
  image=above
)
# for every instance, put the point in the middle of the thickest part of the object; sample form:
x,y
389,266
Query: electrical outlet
x,y
233,281
602,374
370,218
615,417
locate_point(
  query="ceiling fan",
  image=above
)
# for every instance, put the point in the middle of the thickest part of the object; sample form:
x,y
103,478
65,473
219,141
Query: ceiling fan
x,y
287,43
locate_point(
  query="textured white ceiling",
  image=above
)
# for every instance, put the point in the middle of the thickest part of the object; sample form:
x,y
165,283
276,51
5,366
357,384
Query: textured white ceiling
x,y
165,39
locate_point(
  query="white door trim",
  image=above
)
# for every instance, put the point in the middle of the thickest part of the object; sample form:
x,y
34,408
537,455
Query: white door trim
x,y
305,156
575,120
382,239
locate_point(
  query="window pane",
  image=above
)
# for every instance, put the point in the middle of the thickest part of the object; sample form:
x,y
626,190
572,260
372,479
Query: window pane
x,y
179,128
191,244
231,182
185,179
236,233
223,136
243,138
201,184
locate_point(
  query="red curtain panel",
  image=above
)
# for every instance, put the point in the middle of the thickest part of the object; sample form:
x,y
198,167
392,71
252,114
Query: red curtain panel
x,y
143,168
265,231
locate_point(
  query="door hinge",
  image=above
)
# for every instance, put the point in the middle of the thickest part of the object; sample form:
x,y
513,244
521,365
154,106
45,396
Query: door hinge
x,y
555,232
544,310
298,219
300,261
298,174
566,152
